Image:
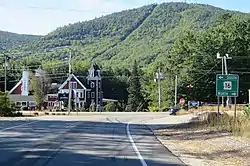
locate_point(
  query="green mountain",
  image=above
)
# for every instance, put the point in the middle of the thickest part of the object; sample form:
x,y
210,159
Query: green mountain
x,y
182,39
10,40
144,34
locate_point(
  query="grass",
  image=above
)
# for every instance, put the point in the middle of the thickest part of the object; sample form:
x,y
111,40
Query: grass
x,y
239,126
208,119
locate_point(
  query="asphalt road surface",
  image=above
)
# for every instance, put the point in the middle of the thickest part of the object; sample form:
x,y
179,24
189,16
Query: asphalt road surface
x,y
90,140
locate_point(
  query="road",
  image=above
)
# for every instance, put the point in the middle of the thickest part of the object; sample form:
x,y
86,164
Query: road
x,y
119,139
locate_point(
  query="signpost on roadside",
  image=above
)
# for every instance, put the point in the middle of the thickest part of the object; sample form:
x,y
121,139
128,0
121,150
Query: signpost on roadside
x,y
227,86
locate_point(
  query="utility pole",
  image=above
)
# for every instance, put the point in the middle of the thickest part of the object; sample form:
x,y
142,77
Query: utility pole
x,y
5,72
175,96
159,87
224,66
70,93
226,72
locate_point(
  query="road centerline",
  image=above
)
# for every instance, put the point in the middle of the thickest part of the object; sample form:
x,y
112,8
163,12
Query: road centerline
x,y
135,147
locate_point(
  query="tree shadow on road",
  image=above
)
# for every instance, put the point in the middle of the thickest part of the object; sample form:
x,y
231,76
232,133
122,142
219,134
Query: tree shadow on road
x,y
60,143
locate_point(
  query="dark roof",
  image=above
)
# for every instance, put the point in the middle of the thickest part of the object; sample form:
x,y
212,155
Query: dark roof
x,y
83,80
54,89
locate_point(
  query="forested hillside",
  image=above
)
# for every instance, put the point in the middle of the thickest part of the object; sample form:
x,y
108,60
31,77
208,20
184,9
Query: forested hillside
x,y
144,34
182,39
12,40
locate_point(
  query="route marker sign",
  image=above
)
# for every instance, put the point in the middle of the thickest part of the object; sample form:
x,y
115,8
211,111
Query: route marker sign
x,y
182,101
227,85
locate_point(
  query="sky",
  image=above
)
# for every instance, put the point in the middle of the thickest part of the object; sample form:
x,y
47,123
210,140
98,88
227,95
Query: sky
x,y
40,17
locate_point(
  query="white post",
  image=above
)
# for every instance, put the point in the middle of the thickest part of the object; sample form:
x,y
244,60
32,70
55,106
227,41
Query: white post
x,y
5,73
176,82
226,72
159,89
69,84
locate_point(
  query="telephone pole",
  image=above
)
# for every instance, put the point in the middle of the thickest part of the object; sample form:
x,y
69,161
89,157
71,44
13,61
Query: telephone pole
x,y
175,96
224,71
5,73
69,85
159,88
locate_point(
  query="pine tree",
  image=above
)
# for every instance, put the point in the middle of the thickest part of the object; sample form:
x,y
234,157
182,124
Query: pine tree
x,y
135,98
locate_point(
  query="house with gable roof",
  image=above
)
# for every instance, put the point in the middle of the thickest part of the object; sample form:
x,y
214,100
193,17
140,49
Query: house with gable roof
x,y
84,96
83,93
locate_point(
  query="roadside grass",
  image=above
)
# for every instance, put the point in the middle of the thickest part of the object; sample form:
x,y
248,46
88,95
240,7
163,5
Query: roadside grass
x,y
224,122
228,110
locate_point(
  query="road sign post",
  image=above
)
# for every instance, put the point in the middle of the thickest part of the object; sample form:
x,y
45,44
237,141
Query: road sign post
x,y
227,86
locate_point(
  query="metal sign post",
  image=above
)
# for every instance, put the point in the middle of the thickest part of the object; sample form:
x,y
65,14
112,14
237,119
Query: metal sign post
x,y
235,112
227,86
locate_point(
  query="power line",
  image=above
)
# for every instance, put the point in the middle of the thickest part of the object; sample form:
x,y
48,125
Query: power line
x,y
206,73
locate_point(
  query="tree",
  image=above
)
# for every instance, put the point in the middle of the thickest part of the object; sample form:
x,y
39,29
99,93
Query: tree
x,y
6,107
135,98
40,85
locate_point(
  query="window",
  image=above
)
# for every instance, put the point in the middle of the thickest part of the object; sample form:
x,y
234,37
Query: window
x,y
92,85
24,103
80,94
77,94
88,94
92,94
73,85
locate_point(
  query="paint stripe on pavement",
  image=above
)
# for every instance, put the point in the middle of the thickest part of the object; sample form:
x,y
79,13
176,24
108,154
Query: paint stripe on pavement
x,y
135,148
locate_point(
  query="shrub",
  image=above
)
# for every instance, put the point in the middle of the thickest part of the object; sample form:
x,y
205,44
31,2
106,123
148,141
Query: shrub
x,y
153,109
247,111
6,107
111,107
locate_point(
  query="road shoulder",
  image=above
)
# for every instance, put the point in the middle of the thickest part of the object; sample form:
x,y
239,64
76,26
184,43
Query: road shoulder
x,y
201,146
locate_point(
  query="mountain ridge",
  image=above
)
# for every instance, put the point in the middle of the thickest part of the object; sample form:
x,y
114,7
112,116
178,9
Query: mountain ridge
x,y
114,39
10,40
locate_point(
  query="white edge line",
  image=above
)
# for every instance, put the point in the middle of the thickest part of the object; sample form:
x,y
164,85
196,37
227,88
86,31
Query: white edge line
x,y
134,147
18,126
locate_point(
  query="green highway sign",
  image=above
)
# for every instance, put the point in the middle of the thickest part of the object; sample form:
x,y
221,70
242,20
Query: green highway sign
x,y
227,85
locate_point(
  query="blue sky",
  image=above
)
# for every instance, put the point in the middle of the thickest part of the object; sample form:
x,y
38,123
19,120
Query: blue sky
x,y
43,16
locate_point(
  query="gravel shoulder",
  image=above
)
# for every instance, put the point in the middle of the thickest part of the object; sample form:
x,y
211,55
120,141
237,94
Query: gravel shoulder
x,y
203,147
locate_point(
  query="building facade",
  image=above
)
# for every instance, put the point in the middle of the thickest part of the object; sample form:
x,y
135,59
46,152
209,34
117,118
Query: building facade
x,y
82,96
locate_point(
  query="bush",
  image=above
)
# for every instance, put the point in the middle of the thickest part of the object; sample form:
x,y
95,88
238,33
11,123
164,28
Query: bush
x,y
153,109
247,111
6,107
111,107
